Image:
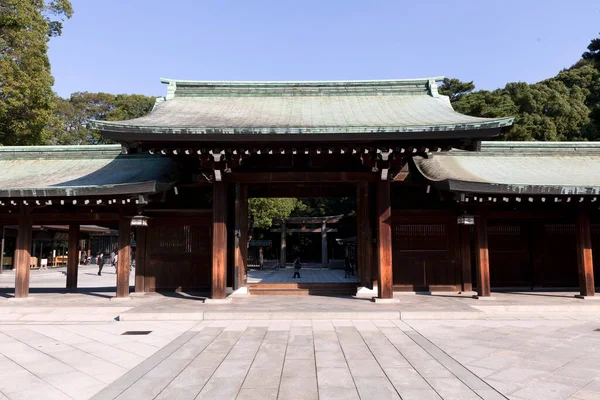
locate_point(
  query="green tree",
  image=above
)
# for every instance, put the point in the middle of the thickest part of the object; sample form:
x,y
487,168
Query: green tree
x,y
26,98
75,112
262,211
455,89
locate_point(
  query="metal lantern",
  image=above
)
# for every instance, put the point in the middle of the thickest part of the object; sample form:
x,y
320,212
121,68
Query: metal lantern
x,y
466,219
139,220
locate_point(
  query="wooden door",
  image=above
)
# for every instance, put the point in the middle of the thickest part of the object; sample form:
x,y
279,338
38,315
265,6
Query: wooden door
x,y
425,253
510,256
178,254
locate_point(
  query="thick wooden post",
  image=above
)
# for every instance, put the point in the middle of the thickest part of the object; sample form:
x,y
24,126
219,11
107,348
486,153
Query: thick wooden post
x,y
22,257
465,258
2,248
482,256
241,235
140,259
123,262
282,254
385,288
219,248
73,257
324,255
364,245
584,254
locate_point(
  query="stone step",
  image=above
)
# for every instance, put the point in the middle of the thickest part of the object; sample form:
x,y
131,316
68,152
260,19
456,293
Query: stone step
x,y
321,289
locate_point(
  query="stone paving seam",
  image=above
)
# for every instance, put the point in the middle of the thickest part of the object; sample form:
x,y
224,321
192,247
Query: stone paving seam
x,y
192,360
287,343
253,359
124,382
224,358
31,372
442,357
345,360
376,360
408,361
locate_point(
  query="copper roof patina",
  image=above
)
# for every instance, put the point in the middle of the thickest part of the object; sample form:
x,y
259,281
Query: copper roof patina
x,y
334,107
51,171
561,168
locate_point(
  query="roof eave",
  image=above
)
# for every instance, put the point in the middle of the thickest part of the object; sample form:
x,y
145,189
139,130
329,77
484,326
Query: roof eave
x,y
125,189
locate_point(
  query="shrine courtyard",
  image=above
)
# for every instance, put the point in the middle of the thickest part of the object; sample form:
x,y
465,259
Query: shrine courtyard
x,y
526,345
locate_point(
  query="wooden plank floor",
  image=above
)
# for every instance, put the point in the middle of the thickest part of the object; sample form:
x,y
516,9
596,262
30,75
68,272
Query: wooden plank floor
x,y
307,275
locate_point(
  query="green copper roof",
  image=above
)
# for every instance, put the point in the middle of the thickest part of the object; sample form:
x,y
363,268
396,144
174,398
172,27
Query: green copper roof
x,y
566,168
334,107
56,171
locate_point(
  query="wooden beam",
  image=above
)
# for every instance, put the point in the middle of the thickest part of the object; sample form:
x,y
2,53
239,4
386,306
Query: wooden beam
x,y
123,262
482,256
140,259
74,217
73,257
584,254
465,257
385,288
363,243
219,243
241,234
299,177
22,257
304,230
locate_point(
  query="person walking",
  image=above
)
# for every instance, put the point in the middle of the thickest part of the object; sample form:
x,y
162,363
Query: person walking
x,y
100,262
297,267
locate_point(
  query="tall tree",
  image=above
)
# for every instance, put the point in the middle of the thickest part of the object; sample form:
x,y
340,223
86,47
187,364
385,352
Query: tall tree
x,y
26,97
75,112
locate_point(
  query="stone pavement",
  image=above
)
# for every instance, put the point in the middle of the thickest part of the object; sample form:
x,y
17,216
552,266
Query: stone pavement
x,y
544,355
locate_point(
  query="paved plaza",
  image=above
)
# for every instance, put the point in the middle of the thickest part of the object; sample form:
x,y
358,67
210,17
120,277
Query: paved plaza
x,y
60,345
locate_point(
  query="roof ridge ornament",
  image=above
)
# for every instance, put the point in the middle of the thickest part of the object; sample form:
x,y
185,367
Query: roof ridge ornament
x,y
433,88
171,89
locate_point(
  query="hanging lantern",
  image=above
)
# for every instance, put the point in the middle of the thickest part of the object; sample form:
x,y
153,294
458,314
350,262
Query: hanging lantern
x,y
139,220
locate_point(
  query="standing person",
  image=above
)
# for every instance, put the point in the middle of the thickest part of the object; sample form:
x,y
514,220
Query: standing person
x,y
100,262
297,267
116,261
112,258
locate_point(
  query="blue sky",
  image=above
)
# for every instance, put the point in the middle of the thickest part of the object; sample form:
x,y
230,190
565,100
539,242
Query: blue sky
x,y
125,46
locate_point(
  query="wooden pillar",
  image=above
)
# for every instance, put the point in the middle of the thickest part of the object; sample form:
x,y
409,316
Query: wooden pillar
x,y
23,254
219,248
324,255
282,255
2,248
385,288
482,256
123,262
73,257
465,257
584,254
241,235
363,242
140,259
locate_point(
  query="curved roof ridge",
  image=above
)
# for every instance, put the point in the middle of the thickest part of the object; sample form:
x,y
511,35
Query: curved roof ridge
x,y
324,82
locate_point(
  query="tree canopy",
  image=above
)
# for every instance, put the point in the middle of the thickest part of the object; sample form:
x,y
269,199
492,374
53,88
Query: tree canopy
x,y
565,107
74,113
262,211
26,98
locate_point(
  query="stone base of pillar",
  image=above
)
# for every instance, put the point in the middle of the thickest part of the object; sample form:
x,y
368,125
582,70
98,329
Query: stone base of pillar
x,y
120,298
578,296
137,294
377,300
21,299
477,297
365,291
227,300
